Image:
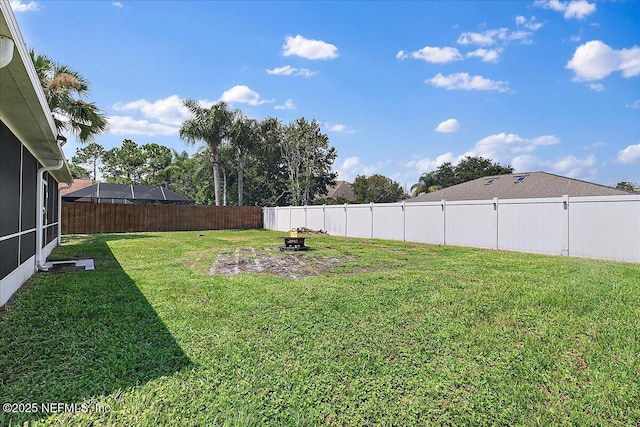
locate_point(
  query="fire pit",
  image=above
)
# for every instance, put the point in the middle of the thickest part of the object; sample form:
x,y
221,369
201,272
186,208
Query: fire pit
x,y
294,244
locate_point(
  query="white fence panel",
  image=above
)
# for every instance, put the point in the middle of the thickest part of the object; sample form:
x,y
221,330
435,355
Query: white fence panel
x,y
605,227
359,221
424,222
388,221
335,220
298,217
315,218
283,218
533,225
269,218
471,223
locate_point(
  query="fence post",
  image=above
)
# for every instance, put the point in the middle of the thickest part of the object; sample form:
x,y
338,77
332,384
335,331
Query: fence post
x,y
371,217
443,203
565,210
345,220
324,218
404,223
495,208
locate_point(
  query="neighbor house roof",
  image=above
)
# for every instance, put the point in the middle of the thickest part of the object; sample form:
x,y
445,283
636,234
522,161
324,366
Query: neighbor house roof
x,y
519,186
341,189
125,193
77,185
23,106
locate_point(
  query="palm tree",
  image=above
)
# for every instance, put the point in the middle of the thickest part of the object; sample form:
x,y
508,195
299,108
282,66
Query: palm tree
x,y
244,136
211,126
427,183
65,91
225,158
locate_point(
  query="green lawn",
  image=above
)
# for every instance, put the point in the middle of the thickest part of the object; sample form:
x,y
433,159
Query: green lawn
x,y
389,333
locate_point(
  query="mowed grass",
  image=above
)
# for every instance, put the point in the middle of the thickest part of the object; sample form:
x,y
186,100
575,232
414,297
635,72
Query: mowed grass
x,y
396,334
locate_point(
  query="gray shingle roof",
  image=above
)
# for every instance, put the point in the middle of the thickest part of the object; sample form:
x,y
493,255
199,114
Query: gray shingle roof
x,y
534,185
341,189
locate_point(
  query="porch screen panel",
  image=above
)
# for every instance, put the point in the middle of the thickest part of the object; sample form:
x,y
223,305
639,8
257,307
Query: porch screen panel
x,y
10,149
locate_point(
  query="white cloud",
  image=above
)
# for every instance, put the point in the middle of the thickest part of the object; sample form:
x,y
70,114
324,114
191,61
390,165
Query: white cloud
x,y
530,23
288,105
491,37
525,163
578,9
635,104
427,164
448,126
631,154
244,95
341,129
118,4
464,81
20,6
570,165
487,55
288,70
350,163
169,110
309,49
595,60
575,38
352,167
596,87
498,145
434,55
486,38
126,125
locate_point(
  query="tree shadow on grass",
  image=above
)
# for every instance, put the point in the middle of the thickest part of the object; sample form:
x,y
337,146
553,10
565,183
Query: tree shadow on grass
x,y
72,337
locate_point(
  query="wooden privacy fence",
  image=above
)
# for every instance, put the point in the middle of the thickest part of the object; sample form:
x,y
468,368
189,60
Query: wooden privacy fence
x,y
89,218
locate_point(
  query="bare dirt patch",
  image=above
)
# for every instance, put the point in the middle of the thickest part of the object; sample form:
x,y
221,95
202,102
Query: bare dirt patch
x,y
293,265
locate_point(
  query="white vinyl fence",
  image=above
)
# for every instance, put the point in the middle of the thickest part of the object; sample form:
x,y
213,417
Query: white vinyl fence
x,y
605,227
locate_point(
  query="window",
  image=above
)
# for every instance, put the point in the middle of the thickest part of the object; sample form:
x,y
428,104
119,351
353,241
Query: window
x,y
520,178
490,181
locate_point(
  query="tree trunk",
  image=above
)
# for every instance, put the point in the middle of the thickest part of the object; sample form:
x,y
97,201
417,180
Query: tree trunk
x,y
216,172
240,182
224,187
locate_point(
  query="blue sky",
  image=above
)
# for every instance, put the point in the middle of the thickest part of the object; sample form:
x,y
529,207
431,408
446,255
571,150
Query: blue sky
x,y
399,87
